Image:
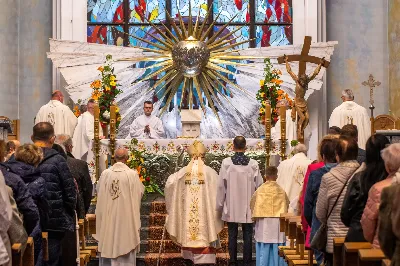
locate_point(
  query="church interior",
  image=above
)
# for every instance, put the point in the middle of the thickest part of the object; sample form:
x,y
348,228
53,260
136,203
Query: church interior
x,y
143,132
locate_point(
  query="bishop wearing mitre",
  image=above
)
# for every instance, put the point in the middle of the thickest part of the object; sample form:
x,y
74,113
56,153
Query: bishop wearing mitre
x,y
58,115
118,213
350,112
190,197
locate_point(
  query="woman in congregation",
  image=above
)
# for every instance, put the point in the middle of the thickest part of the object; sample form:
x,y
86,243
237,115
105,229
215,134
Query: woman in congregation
x,y
369,220
369,173
332,191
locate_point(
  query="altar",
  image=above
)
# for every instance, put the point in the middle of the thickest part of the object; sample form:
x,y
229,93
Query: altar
x,y
161,155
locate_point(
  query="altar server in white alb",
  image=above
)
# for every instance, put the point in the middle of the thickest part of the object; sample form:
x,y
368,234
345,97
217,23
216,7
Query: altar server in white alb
x,y
84,132
291,174
118,213
239,178
58,115
351,113
147,126
192,221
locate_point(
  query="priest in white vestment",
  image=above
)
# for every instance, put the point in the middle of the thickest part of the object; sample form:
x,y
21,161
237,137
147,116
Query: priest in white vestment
x,y
267,204
351,113
118,213
190,197
239,178
147,126
84,132
291,174
58,115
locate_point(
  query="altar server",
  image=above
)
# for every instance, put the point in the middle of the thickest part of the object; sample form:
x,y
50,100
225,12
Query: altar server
x,y
118,213
351,113
84,132
267,203
291,174
58,115
147,126
190,196
239,178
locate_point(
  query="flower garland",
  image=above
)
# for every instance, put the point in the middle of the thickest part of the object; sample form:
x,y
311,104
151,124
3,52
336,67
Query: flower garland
x,y
136,161
270,91
105,91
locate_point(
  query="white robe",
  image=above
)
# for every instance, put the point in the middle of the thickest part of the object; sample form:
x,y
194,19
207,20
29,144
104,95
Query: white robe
x,y
118,214
138,125
184,201
59,115
84,133
361,119
291,174
236,186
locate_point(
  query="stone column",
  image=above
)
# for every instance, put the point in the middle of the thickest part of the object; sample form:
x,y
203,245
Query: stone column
x,y
394,56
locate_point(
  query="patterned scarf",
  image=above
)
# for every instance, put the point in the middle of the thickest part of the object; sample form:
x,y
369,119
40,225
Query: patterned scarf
x,y
240,159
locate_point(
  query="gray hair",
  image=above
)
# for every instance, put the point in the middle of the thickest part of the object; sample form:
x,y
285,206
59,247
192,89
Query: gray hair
x,y
63,140
391,157
300,148
121,154
348,94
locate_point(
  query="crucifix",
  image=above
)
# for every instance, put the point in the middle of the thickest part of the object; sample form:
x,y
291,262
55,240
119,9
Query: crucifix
x,y
371,83
300,109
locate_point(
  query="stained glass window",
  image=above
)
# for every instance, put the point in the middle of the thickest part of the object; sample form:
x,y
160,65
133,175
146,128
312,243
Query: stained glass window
x,y
183,7
227,9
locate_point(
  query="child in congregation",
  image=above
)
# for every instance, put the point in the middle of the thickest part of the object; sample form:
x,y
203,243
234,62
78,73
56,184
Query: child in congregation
x,y
267,203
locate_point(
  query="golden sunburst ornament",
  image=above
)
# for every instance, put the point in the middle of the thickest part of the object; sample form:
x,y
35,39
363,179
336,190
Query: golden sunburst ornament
x,y
191,58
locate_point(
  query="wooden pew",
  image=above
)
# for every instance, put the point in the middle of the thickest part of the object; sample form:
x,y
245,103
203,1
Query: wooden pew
x,y
386,262
28,258
304,258
282,229
290,233
16,251
350,252
91,218
45,246
338,243
370,257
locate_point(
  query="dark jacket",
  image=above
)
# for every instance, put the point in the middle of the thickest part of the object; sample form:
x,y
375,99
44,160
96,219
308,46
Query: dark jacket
x,y
362,156
61,192
353,208
36,185
310,199
389,223
26,205
80,171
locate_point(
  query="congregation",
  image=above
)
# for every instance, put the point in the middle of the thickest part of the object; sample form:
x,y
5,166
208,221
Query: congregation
x,y
349,190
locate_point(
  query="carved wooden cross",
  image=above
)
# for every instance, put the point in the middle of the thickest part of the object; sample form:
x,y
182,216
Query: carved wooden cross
x,y
304,57
371,83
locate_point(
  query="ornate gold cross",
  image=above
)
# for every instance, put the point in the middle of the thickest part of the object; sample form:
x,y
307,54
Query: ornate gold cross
x,y
371,83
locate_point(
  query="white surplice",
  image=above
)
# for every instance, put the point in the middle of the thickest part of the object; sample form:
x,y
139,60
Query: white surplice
x,y
59,115
236,186
138,125
192,221
349,109
291,174
84,133
118,214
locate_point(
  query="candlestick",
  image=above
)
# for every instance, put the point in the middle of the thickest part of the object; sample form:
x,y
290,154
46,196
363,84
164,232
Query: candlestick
x,y
113,121
97,140
282,114
267,134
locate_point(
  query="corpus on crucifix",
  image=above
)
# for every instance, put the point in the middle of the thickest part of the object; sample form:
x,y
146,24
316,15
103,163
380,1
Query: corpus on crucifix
x,y
300,109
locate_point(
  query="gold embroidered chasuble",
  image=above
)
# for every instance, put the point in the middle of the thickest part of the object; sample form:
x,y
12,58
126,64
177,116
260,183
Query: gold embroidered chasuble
x,y
269,200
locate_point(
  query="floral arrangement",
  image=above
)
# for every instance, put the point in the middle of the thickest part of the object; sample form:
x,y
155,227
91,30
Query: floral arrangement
x,y
105,91
270,91
136,161
77,110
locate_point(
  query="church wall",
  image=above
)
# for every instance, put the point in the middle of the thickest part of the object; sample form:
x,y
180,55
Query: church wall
x,y
9,58
35,81
394,55
360,27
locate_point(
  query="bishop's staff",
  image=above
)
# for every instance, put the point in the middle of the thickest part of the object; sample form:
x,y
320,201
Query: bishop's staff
x,y
267,133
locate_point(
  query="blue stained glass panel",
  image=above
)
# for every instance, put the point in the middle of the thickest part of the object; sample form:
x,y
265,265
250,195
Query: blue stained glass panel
x,y
112,35
230,8
143,10
274,11
183,7
109,11
240,35
274,35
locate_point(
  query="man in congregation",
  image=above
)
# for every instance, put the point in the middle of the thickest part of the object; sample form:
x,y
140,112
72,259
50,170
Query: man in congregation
x,y
291,174
239,178
147,126
191,192
58,115
351,131
84,132
118,213
61,191
351,113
